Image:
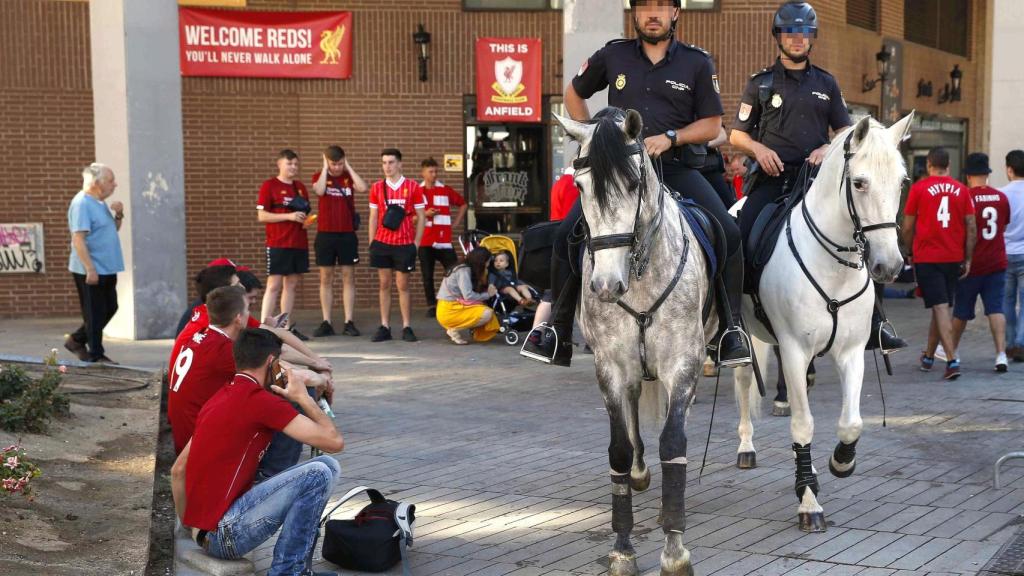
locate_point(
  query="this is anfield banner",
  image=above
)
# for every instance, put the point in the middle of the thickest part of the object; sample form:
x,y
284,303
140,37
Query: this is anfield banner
x,y
265,44
508,78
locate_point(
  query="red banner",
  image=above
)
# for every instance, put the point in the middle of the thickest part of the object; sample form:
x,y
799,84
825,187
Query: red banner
x,y
265,44
508,78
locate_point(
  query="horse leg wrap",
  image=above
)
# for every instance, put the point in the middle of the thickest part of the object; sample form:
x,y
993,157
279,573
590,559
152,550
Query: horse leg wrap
x,y
622,505
673,497
805,476
845,453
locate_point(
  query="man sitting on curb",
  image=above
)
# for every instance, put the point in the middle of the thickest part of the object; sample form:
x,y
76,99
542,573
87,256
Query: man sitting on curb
x,y
211,481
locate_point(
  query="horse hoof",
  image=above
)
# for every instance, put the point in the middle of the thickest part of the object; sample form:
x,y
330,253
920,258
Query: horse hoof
x,y
840,470
622,564
812,521
642,483
680,566
686,570
780,409
746,460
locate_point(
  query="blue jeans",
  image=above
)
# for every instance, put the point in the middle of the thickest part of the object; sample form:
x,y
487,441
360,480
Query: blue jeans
x,y
292,501
1014,297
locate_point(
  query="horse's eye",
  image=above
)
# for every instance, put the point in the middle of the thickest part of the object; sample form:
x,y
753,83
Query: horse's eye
x,y
860,184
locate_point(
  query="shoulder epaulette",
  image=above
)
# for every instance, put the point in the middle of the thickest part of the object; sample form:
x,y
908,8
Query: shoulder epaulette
x,y
695,48
822,70
617,41
764,70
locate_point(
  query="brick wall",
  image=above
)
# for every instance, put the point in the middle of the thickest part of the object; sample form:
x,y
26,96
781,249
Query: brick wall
x,y
234,127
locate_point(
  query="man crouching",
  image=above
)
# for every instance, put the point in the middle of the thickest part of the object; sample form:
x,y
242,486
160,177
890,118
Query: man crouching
x,y
212,479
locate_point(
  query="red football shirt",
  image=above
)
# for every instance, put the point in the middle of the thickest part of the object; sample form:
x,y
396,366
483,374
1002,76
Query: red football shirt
x,y
992,212
232,433
940,204
407,194
200,321
336,206
275,196
437,231
203,366
563,195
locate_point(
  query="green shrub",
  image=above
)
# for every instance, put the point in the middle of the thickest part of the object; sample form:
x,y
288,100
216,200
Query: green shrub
x,y
27,404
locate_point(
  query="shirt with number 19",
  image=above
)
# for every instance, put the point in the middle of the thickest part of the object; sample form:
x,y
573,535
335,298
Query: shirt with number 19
x,y
940,205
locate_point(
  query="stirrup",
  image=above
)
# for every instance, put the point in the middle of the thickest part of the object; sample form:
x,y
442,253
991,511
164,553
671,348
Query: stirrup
x,y
878,335
738,361
543,327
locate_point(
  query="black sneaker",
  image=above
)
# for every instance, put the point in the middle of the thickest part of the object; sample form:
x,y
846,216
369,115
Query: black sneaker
x,y
883,334
408,335
383,334
733,350
544,345
350,329
298,334
324,329
432,312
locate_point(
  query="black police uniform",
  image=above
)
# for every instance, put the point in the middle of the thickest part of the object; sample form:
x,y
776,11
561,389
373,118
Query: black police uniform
x,y
790,112
672,94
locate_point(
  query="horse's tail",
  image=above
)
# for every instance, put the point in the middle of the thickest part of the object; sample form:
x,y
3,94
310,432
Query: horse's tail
x,y
653,406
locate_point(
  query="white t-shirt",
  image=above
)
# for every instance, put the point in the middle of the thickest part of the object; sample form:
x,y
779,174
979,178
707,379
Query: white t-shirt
x,y
1015,230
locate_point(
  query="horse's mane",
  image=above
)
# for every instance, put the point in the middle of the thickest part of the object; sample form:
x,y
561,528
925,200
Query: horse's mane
x,y
609,157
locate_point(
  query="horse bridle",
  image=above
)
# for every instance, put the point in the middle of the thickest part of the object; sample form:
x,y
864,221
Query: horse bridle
x,y
639,246
861,247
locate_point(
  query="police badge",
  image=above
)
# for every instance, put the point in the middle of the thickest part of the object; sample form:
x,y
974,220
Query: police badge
x,y
777,101
620,82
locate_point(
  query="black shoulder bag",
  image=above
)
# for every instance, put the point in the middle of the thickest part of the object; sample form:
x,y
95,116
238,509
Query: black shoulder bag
x,y
373,541
395,214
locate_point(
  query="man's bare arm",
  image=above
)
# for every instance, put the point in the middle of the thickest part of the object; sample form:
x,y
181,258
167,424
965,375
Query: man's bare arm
x,y
907,232
178,481
575,105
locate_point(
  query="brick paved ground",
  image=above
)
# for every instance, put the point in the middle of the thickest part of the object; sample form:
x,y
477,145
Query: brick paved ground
x,y
506,462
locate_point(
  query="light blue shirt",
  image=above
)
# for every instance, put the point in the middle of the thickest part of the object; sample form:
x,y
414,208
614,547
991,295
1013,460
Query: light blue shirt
x,y
87,214
1014,234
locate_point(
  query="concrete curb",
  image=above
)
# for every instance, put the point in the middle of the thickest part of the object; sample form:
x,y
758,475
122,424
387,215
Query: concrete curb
x,y
191,560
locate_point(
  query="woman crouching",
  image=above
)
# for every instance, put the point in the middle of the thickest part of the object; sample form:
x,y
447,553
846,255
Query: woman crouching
x,y
461,301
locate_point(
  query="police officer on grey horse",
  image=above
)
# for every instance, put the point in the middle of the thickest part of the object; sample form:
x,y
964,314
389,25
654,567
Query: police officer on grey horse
x,y
783,122
674,87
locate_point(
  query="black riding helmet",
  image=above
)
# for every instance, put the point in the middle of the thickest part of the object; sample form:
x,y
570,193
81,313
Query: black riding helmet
x,y
650,39
795,18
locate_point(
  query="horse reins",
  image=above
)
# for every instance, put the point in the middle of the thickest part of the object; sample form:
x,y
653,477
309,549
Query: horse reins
x,y
861,247
639,250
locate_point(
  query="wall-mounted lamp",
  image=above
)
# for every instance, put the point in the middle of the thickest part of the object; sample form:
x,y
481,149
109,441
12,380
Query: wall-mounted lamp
x,y
924,89
882,61
951,91
422,39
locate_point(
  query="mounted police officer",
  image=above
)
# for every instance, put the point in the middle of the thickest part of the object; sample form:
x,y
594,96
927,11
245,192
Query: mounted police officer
x,y
674,87
783,122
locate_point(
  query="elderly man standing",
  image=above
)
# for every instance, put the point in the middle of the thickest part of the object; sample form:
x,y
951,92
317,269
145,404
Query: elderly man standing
x,y
95,259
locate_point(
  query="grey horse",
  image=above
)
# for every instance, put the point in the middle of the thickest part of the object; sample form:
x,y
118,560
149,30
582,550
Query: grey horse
x,y
645,286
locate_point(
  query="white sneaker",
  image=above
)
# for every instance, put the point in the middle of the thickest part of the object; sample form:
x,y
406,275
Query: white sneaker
x,y
940,353
456,337
1001,362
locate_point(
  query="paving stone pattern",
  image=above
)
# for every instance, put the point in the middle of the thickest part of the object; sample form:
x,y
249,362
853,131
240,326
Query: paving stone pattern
x,y
506,462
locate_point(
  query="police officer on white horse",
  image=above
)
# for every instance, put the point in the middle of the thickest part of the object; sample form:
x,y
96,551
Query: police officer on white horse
x,y
783,122
674,87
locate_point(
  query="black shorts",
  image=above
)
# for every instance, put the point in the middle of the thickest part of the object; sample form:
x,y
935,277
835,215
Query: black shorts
x,y
937,282
399,258
287,261
336,248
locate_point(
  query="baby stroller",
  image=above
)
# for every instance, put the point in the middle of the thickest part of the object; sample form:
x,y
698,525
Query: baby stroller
x,y
511,321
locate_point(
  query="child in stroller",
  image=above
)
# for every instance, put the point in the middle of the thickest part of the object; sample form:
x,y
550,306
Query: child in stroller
x,y
511,320
503,278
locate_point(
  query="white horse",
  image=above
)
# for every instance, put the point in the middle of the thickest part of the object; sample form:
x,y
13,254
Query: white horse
x,y
815,291
645,285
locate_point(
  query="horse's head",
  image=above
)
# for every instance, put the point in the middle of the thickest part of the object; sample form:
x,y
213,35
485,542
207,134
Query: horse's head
x,y
876,177
609,175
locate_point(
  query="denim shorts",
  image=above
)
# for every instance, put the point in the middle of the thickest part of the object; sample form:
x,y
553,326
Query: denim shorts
x,y
990,287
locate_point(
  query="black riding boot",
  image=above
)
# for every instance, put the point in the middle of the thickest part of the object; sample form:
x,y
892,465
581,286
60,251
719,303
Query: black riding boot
x,y
552,343
731,342
882,334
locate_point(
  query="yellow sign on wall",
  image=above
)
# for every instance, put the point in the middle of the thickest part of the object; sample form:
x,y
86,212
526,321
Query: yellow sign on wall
x,y
453,162
232,3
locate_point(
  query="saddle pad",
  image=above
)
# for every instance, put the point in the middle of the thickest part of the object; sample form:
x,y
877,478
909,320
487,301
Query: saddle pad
x,y
705,231
764,234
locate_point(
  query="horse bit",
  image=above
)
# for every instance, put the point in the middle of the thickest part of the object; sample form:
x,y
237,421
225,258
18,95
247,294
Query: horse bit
x,y
861,247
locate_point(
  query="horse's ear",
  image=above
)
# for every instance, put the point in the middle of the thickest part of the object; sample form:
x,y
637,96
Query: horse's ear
x,y
860,131
576,130
900,131
634,124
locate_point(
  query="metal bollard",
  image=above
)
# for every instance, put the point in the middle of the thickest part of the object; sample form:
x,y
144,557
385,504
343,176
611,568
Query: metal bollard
x,y
1002,459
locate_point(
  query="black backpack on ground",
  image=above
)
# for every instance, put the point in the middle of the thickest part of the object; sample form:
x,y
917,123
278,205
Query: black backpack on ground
x,y
373,541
